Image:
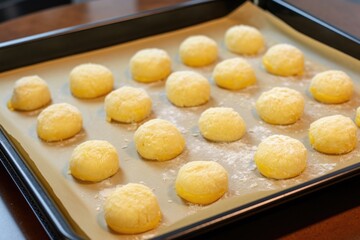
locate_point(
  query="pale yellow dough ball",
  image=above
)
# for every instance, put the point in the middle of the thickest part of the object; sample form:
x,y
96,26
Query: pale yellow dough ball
x,y
357,118
150,65
94,160
187,89
331,87
131,209
59,122
243,39
159,140
280,157
90,80
30,93
198,51
280,106
127,105
284,60
335,134
221,124
201,182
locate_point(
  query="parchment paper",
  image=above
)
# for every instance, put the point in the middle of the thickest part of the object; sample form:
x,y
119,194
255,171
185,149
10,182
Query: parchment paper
x,y
82,202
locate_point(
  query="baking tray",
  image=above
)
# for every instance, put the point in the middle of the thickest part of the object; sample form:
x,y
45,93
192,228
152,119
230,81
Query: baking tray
x,y
52,45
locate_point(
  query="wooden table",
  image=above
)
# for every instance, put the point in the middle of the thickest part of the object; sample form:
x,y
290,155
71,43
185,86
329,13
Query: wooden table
x,y
330,213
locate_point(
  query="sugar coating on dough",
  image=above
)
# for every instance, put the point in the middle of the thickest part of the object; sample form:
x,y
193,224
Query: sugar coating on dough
x,y
243,39
150,65
280,106
280,157
187,89
201,182
94,160
198,51
127,105
221,124
59,122
234,74
331,87
30,93
132,208
334,134
357,118
90,80
159,140
284,60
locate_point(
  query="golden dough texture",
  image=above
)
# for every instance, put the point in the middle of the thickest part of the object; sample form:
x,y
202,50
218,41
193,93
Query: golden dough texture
x,y
94,160
234,74
221,124
187,89
281,157
243,39
131,209
159,140
90,80
280,106
59,122
357,118
198,51
331,87
334,134
284,60
30,93
127,105
150,65
201,182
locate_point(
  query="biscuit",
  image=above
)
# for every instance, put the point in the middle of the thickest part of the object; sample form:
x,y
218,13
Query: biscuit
x,y
243,39
357,117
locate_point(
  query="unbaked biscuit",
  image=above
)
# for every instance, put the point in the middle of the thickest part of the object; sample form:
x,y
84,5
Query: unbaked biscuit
x,y
243,39
201,182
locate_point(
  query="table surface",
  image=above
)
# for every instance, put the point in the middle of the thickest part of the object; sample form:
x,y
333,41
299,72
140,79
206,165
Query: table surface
x,y
330,213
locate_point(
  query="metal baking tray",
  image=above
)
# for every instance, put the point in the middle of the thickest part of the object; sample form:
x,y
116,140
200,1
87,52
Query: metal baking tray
x,y
65,42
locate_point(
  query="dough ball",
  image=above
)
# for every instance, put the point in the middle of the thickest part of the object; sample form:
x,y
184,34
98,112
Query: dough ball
x,y
198,51
187,89
127,105
150,65
59,122
284,60
131,209
221,124
30,93
159,140
94,160
201,182
280,106
357,118
280,157
331,87
234,74
91,80
243,39
335,134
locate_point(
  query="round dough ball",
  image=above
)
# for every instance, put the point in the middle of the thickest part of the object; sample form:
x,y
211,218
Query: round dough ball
x,y
335,134
280,106
201,182
128,104
234,74
331,87
243,39
280,157
357,118
150,65
91,80
94,161
131,209
187,89
159,140
198,51
284,60
30,93
58,122
221,124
